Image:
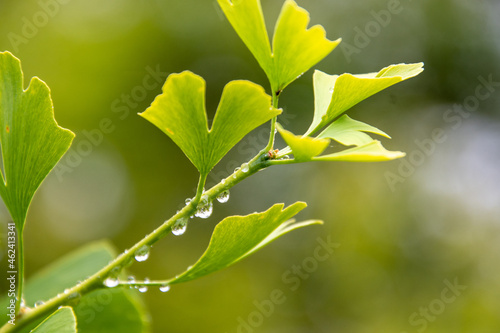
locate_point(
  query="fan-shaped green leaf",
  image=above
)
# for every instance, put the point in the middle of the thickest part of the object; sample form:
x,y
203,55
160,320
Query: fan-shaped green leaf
x,y
303,147
236,237
335,94
295,48
348,131
370,152
180,113
31,141
61,321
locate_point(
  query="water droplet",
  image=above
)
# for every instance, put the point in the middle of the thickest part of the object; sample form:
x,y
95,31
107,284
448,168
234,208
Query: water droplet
x,y
66,291
223,181
74,298
237,169
127,262
204,211
39,303
180,226
115,271
245,167
331,90
188,201
143,289
286,157
111,282
131,279
223,197
234,176
164,288
142,254
275,130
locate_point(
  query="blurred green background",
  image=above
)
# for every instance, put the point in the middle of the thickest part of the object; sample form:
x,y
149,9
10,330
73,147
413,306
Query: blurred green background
x,y
406,230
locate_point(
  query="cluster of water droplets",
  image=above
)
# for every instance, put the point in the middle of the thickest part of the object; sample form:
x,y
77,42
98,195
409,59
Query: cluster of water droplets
x,y
180,226
144,288
205,208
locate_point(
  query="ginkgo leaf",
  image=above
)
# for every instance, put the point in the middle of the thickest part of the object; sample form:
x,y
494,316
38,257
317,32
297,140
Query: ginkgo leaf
x,y
303,147
348,131
335,94
295,47
31,141
370,152
236,237
61,321
180,113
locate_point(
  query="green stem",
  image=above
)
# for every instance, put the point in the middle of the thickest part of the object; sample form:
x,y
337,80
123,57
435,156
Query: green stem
x,y
95,281
283,162
270,145
20,265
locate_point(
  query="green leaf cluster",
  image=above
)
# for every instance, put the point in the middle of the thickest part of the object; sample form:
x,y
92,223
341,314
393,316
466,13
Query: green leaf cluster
x,y
334,95
32,143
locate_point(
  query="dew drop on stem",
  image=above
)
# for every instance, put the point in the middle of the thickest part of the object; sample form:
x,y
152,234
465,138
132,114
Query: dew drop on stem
x,y
223,197
204,211
111,282
142,254
144,288
180,226
74,298
245,167
164,288
39,303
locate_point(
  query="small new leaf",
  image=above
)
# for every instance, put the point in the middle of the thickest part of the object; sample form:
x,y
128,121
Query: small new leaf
x,y
304,148
335,94
236,237
349,132
31,141
61,321
180,113
370,152
295,47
